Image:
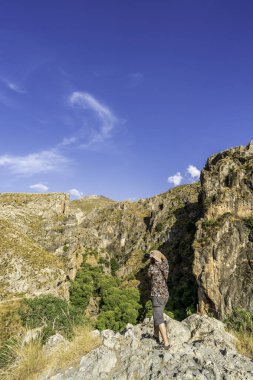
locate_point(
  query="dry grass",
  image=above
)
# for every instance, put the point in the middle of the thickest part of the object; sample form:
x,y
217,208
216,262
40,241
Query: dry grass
x,y
69,354
31,360
245,342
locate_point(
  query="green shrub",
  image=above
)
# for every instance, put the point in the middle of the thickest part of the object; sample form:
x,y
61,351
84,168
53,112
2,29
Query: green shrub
x,y
148,309
240,320
249,222
159,227
183,300
55,314
119,307
114,266
84,285
210,223
7,355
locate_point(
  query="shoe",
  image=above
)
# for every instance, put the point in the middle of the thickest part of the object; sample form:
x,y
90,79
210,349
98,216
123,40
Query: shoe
x,y
161,346
156,338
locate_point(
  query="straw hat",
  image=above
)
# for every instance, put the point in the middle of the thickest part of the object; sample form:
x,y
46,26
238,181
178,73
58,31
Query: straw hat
x,y
157,255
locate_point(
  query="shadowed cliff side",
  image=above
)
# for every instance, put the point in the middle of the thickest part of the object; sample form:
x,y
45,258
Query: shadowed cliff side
x,y
223,264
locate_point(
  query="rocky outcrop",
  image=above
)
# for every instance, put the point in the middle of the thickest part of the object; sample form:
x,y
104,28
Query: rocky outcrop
x,y
36,245
126,230
223,257
45,237
200,348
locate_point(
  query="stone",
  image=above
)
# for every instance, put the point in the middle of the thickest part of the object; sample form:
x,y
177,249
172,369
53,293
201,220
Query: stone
x,y
223,256
206,352
54,340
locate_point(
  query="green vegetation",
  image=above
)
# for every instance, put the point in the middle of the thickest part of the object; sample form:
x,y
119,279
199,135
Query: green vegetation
x,y
52,313
182,301
249,222
118,306
240,320
104,261
159,227
114,266
210,223
240,324
7,355
84,285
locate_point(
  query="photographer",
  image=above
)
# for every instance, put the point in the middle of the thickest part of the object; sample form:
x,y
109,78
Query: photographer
x,y
158,272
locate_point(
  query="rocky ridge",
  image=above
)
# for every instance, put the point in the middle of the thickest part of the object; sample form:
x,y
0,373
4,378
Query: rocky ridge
x,y
223,256
200,349
38,241
44,237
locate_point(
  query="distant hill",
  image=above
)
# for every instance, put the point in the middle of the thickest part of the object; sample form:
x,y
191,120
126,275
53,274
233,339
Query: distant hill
x,y
91,202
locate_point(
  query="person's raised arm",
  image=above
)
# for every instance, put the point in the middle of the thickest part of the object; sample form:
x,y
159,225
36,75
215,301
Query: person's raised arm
x,y
164,267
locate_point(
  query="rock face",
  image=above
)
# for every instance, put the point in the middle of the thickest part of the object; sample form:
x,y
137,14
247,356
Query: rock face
x,y
44,236
35,257
200,349
223,257
126,230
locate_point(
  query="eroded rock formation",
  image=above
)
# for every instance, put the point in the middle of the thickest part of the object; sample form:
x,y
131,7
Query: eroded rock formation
x,y
223,263
36,245
200,349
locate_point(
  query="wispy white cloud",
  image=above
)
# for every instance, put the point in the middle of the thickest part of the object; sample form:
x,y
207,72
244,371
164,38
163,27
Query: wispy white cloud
x,y
75,193
54,159
175,179
12,86
41,162
135,79
67,141
39,187
193,171
106,118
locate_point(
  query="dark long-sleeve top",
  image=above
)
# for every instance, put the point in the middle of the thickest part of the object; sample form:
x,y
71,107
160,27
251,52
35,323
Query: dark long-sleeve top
x,y
158,272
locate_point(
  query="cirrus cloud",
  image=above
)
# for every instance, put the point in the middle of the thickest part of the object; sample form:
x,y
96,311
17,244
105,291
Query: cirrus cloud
x,y
39,187
41,162
106,118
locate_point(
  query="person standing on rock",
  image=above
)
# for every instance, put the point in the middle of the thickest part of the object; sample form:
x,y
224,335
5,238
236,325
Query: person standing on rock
x,y
158,271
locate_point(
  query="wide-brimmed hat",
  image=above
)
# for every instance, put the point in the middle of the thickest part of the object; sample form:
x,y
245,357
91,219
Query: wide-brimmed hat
x,y
157,255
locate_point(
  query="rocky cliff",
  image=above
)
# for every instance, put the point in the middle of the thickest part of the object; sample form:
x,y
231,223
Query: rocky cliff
x,y
36,245
124,231
223,256
200,349
44,237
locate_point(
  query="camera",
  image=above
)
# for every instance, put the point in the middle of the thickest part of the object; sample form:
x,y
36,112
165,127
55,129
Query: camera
x,y
147,255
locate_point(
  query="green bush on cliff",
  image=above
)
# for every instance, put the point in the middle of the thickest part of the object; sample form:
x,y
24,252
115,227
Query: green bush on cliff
x,y
114,266
84,285
51,313
249,222
117,306
182,301
159,227
240,324
120,306
240,320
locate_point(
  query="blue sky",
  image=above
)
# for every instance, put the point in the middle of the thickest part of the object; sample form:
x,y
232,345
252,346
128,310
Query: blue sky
x,y
121,98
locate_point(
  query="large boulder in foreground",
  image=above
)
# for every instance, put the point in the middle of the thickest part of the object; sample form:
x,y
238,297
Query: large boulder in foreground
x,y
201,349
223,256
